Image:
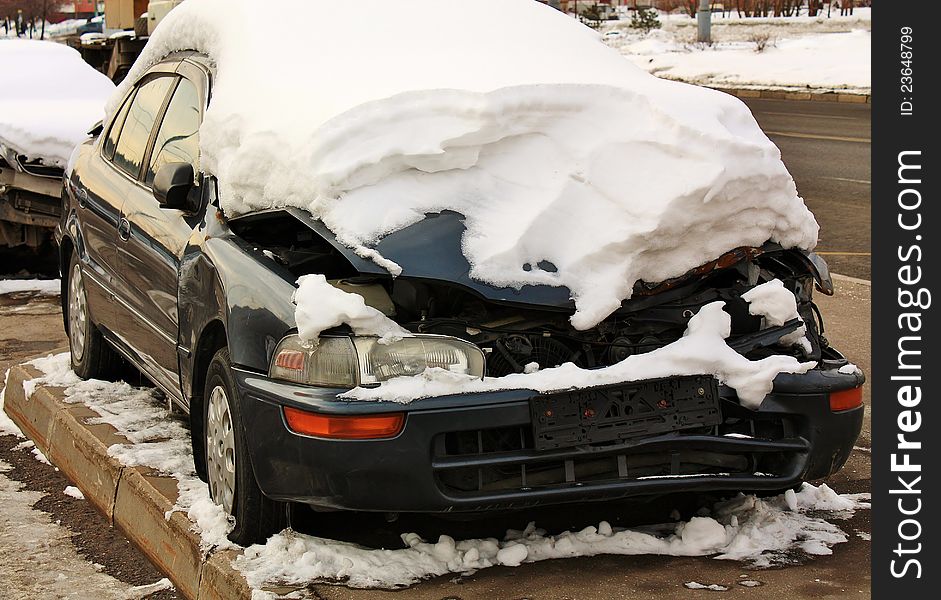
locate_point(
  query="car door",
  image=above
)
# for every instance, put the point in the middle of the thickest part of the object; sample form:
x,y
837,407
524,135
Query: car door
x,y
100,188
151,239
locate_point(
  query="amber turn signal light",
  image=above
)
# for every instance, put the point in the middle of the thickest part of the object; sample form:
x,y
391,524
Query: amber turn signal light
x,y
846,399
344,427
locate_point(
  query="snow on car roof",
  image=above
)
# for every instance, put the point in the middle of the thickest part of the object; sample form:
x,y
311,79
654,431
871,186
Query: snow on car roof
x,y
571,166
49,99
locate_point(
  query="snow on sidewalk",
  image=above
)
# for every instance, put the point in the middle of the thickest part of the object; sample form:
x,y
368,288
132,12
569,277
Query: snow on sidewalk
x,y
44,287
760,531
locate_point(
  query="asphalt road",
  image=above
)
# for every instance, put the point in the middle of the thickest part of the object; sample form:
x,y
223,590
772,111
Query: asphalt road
x,y
827,148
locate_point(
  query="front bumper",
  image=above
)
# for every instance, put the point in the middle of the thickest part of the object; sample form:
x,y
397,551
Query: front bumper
x,y
469,452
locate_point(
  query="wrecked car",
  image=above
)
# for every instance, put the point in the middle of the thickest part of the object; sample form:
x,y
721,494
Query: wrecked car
x,y
202,301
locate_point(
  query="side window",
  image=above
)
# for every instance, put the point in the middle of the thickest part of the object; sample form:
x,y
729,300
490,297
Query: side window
x,y
112,139
132,143
178,137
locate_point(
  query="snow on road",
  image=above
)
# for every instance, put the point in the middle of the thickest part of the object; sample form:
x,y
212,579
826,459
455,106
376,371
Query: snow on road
x,y
760,532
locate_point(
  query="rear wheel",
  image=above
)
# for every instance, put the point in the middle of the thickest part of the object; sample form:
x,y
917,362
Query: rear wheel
x,y
232,483
92,357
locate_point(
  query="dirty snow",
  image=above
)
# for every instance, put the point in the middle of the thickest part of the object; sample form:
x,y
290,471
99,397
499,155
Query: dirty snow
x,y
802,54
553,147
45,287
57,98
37,558
701,350
321,306
760,532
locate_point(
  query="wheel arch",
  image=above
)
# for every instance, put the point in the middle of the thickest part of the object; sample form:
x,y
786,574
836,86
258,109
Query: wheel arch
x,y
212,339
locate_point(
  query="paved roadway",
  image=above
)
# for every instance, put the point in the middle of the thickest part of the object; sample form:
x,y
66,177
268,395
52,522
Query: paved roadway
x,y
827,147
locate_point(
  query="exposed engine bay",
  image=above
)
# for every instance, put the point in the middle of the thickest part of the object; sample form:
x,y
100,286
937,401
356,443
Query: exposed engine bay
x,y
520,335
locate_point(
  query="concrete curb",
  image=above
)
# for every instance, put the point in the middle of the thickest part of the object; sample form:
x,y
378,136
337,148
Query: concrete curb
x,y
795,95
132,498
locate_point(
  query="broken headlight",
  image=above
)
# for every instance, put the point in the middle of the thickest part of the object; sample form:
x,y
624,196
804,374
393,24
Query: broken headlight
x,y
361,360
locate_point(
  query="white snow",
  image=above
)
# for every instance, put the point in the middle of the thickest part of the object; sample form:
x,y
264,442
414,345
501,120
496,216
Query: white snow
x,y
320,306
45,287
552,146
37,557
156,439
850,369
57,97
73,492
7,426
802,54
695,585
701,350
140,592
777,305
761,532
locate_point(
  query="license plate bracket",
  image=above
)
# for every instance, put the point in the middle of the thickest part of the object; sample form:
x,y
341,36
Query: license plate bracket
x,y
627,411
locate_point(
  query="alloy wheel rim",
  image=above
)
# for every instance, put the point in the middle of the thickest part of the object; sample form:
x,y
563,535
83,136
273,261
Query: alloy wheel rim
x,y
78,314
220,449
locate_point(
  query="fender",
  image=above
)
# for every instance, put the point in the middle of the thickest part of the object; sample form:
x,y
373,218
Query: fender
x,y
222,278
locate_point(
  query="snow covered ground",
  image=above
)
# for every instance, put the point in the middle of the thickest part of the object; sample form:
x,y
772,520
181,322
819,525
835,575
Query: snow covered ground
x,y
45,287
758,532
802,53
37,556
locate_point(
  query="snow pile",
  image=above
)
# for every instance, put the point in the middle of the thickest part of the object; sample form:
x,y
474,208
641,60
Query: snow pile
x,y
325,306
49,101
73,492
554,148
701,350
45,287
156,439
7,426
776,305
762,532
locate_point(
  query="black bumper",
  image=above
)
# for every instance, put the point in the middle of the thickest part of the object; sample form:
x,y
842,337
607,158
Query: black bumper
x,y
458,453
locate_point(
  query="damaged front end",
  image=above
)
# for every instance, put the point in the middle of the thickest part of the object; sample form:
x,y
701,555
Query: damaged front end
x,y
515,448
529,328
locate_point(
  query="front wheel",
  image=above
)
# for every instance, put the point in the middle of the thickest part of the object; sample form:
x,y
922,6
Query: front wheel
x,y
232,483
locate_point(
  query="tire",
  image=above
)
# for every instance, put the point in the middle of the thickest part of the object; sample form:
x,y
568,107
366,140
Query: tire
x,y
92,357
232,482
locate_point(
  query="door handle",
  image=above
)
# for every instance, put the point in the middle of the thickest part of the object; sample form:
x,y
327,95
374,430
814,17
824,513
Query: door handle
x,y
124,229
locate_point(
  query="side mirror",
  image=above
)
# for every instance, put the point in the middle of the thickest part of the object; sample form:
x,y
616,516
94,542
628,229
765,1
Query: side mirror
x,y
172,184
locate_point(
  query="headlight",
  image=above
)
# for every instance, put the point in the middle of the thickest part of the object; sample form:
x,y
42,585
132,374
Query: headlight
x,y
355,361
